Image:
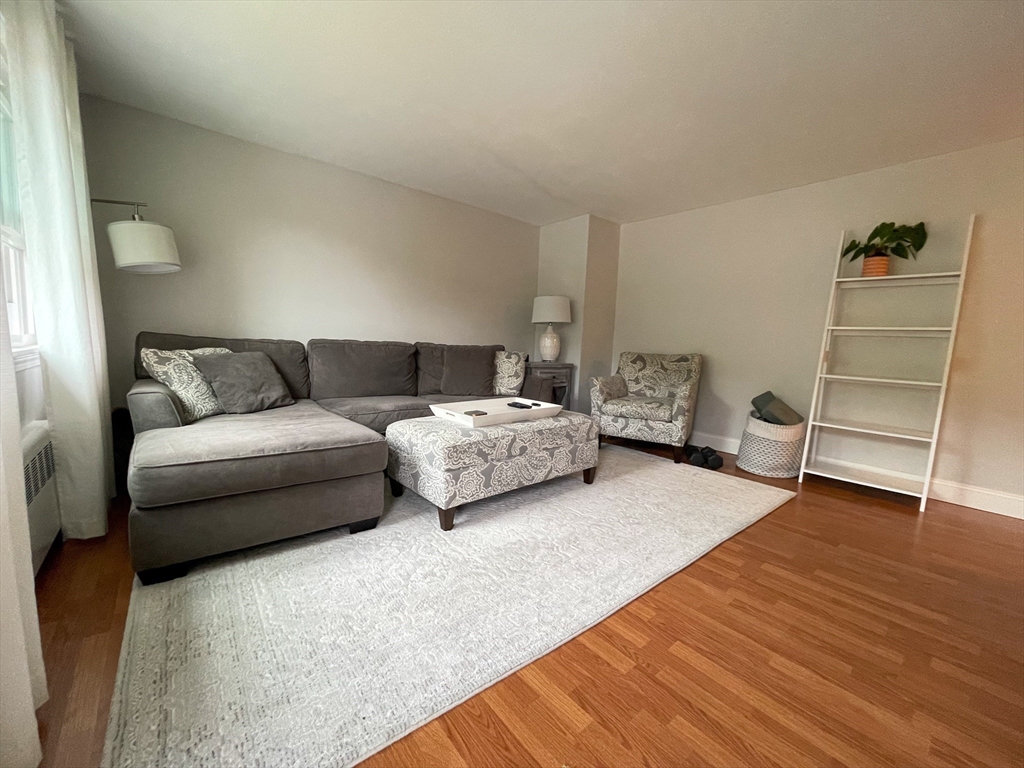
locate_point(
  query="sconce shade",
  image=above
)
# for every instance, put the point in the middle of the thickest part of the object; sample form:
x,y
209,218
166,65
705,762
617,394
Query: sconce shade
x,y
551,309
142,246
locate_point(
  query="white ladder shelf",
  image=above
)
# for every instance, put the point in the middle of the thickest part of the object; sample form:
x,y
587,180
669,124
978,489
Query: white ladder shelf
x,y
876,472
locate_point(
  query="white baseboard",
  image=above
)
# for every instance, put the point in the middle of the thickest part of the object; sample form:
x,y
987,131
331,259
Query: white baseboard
x,y
999,502
985,499
719,443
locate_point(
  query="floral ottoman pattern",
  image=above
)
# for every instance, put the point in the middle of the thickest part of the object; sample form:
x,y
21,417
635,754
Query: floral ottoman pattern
x,y
450,465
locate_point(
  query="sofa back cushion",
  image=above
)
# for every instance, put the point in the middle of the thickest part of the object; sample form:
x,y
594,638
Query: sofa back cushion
x,y
347,368
468,370
429,367
289,357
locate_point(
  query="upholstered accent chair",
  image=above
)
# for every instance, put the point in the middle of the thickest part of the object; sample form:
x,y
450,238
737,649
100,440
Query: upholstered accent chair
x,y
651,397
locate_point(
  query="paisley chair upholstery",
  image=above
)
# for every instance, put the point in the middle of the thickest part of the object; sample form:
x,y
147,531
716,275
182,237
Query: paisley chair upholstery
x,y
651,397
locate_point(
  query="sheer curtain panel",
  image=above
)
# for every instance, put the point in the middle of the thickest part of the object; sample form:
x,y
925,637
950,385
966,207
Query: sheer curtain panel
x,y
61,261
22,678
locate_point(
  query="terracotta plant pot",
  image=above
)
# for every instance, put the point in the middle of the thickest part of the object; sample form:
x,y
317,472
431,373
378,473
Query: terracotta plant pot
x,y
875,266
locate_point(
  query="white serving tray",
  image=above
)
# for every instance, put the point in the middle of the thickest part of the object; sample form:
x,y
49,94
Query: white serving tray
x,y
496,410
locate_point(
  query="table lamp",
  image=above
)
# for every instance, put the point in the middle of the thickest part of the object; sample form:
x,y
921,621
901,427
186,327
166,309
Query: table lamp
x,y
550,310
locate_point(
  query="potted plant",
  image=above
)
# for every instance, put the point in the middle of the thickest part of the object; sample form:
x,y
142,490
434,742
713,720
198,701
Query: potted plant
x,y
884,241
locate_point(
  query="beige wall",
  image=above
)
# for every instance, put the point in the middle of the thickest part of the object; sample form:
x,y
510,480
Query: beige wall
x,y
599,302
747,283
562,271
579,259
275,245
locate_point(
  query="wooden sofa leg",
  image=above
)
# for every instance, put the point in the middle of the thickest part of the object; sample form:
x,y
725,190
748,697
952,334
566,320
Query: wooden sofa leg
x,y
166,573
600,440
677,454
588,475
397,489
447,518
363,525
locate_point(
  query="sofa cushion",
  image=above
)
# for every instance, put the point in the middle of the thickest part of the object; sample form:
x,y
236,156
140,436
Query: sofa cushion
x,y
429,367
377,412
469,370
238,453
348,368
244,382
289,356
650,408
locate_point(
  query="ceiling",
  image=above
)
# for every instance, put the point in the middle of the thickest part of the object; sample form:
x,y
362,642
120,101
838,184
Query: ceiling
x,y
546,110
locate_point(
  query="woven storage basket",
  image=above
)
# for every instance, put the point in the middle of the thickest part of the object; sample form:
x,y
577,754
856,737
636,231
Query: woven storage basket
x,y
771,450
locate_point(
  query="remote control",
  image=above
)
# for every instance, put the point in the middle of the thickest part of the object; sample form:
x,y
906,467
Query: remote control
x,y
521,406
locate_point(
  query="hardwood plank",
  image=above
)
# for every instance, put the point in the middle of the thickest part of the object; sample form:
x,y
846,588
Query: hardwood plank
x,y
843,628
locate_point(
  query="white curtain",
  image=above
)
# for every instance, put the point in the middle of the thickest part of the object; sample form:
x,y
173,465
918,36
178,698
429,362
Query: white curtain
x,y
22,678
61,261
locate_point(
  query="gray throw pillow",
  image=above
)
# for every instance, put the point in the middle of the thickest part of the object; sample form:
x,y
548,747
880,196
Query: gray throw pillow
x,y
175,369
468,370
509,373
244,382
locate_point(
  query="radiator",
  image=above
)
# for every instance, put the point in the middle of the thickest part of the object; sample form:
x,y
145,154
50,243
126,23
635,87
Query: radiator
x,y
40,490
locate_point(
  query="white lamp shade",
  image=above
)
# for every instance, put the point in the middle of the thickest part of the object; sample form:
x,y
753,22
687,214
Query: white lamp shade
x,y
551,309
142,246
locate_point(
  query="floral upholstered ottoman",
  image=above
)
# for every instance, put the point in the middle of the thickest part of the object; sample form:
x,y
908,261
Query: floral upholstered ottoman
x,y
450,465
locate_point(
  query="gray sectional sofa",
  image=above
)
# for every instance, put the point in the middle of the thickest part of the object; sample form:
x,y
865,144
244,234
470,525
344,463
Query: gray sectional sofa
x,y
236,480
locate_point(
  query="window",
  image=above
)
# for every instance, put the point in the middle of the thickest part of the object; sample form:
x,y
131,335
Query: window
x,y
12,239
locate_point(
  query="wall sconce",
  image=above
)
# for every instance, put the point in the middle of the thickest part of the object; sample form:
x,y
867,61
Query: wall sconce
x,y
141,246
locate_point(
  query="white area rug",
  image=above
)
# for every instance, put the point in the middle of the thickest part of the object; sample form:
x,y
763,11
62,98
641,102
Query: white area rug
x,y
322,650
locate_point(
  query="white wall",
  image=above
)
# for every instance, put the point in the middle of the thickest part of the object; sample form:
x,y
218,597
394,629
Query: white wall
x,y
599,306
275,245
579,259
562,271
747,283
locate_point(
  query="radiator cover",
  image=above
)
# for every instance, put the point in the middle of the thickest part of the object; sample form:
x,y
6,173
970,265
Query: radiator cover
x,y
40,490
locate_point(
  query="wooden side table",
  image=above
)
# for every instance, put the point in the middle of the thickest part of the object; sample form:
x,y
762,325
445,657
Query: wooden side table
x,y
561,379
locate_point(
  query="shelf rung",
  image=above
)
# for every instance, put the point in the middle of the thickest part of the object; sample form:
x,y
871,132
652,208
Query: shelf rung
x,y
899,278
872,380
883,430
890,330
867,476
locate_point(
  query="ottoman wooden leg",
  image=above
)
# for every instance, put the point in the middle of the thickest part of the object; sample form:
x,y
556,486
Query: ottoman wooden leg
x,y
588,475
397,489
447,518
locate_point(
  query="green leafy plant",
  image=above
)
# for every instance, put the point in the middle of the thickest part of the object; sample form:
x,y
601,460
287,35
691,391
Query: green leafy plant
x,y
887,239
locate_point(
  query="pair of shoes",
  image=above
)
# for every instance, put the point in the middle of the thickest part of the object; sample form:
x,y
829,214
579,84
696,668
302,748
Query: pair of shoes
x,y
703,457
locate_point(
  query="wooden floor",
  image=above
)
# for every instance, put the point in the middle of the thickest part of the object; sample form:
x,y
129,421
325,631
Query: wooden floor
x,y
842,629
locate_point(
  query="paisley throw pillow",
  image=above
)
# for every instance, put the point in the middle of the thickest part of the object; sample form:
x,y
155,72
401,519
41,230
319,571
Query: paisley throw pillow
x,y
509,373
174,369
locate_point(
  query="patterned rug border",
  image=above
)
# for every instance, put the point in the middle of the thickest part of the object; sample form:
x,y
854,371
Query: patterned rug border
x,y
117,696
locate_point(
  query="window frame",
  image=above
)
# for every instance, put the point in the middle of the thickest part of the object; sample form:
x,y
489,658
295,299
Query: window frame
x,y
17,302
13,252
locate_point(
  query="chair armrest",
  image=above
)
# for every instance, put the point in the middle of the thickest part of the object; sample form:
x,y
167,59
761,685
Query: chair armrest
x,y
153,405
603,388
683,406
